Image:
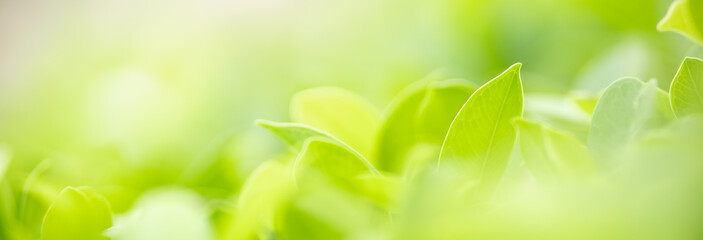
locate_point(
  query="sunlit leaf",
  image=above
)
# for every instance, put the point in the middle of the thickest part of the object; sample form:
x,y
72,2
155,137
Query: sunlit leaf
x,y
687,88
627,108
78,213
481,136
339,112
684,16
553,156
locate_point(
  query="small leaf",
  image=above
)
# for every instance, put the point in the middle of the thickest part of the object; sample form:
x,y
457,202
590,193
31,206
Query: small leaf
x,y
684,17
78,213
627,108
553,156
339,112
687,88
481,137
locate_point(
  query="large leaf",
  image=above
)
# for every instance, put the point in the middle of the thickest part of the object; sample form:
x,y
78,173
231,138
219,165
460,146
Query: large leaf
x,y
420,114
78,213
481,137
441,102
685,17
551,155
339,112
627,108
686,91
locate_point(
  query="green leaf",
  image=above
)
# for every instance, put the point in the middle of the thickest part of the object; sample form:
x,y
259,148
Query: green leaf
x,y
331,158
78,213
684,17
323,211
266,188
339,112
322,160
441,103
559,112
627,108
687,88
481,137
551,155
420,114
397,133
297,135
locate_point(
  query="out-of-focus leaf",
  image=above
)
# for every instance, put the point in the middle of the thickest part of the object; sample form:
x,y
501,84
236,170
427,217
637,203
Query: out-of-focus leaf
x,y
420,114
297,135
323,211
339,112
684,17
265,189
78,213
687,88
551,155
164,214
322,158
481,136
627,108
4,161
559,112
587,103
441,102
397,133
331,158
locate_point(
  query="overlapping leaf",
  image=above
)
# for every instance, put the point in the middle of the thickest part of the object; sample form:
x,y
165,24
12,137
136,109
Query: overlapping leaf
x,y
627,108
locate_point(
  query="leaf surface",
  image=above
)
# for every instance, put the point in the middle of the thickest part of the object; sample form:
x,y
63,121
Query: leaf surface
x,y
687,88
481,137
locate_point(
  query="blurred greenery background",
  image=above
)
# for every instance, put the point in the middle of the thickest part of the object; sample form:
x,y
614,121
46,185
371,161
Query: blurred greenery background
x,y
126,96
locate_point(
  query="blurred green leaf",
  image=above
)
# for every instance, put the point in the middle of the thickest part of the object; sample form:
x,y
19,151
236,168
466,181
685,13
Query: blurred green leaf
x,y
264,191
481,137
687,88
685,17
553,156
626,109
78,213
420,114
331,158
297,135
441,103
339,112
165,213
